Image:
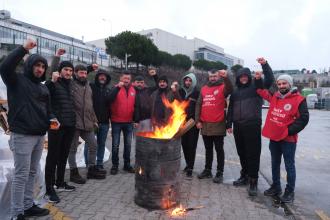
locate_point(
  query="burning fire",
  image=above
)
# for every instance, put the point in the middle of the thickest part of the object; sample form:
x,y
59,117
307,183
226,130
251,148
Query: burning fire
x,y
179,211
140,171
174,122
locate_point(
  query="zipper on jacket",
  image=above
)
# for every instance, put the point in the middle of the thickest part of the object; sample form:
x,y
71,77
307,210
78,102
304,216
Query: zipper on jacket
x,y
83,108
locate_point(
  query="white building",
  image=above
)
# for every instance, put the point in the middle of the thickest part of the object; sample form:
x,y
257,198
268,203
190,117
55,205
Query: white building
x,y
194,48
14,32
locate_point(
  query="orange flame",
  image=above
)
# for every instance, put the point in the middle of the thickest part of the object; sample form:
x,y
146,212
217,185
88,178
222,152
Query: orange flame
x,y
174,122
179,211
140,171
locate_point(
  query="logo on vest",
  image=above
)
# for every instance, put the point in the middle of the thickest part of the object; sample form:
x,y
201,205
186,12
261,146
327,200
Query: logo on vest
x,y
216,92
132,94
287,107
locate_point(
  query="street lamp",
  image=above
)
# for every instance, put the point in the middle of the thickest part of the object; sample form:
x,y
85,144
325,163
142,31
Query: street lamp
x,y
126,56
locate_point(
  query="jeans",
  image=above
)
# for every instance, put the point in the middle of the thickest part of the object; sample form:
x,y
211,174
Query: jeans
x,y
218,145
101,137
89,138
248,145
288,150
27,150
127,129
59,143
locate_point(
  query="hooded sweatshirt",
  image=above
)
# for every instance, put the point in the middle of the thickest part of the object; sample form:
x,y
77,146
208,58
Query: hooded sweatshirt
x,y
191,94
28,99
245,104
101,101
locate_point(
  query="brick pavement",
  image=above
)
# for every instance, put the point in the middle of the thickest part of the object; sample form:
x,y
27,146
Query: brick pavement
x,y
112,198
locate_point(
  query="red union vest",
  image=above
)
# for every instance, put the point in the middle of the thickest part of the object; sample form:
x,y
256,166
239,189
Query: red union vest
x,y
282,113
123,106
213,103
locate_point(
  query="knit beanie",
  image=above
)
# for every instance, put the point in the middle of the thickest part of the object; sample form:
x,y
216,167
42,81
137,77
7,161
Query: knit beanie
x,y
65,64
287,78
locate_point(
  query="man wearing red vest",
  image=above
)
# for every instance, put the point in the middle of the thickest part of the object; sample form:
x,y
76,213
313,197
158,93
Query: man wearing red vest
x,y
287,116
210,118
122,98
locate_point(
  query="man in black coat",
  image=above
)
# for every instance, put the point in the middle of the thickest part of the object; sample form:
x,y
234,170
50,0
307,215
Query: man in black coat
x,y
29,119
189,140
244,112
59,141
101,105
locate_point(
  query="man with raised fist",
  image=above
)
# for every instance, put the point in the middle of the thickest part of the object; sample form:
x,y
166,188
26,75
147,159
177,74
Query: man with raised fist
x,y
210,118
59,141
29,118
244,120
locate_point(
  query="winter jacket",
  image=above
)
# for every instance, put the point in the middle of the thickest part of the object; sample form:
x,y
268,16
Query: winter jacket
x,y
101,98
122,104
245,104
61,98
190,94
143,102
217,128
287,115
83,105
28,99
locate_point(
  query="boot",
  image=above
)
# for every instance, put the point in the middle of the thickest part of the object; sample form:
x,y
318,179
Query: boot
x,y
75,176
101,169
273,191
218,177
94,173
288,196
242,181
253,187
205,174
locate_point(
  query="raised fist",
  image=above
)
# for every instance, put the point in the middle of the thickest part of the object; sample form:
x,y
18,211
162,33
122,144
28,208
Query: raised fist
x,y
95,66
261,60
60,52
55,76
152,72
120,84
258,75
175,86
29,44
223,73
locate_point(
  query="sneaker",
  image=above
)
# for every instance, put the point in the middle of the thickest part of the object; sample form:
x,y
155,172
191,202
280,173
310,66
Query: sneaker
x,y
189,172
114,170
287,197
273,191
218,177
19,217
129,169
242,181
206,174
35,211
64,187
51,196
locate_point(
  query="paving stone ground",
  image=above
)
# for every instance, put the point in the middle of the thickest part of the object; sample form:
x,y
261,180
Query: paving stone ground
x,y
113,198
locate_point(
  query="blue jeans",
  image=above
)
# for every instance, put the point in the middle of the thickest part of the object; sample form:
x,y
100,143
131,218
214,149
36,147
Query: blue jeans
x,y
27,150
101,137
288,149
127,129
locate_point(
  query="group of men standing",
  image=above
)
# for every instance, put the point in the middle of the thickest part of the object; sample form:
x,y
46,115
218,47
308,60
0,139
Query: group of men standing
x,y
67,106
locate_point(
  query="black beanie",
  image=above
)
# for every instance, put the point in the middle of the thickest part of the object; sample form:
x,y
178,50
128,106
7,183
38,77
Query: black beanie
x,y
163,77
65,64
139,78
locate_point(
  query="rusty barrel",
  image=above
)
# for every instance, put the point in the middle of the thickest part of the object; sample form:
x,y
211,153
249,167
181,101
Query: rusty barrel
x,y
157,177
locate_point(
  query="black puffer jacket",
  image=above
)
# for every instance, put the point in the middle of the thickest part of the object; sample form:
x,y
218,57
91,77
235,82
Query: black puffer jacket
x,y
101,101
28,99
245,105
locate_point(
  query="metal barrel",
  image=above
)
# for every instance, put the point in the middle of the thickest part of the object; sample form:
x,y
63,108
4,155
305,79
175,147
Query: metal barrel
x,y
157,177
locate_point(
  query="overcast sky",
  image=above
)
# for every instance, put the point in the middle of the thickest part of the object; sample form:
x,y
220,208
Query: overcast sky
x,y
290,34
